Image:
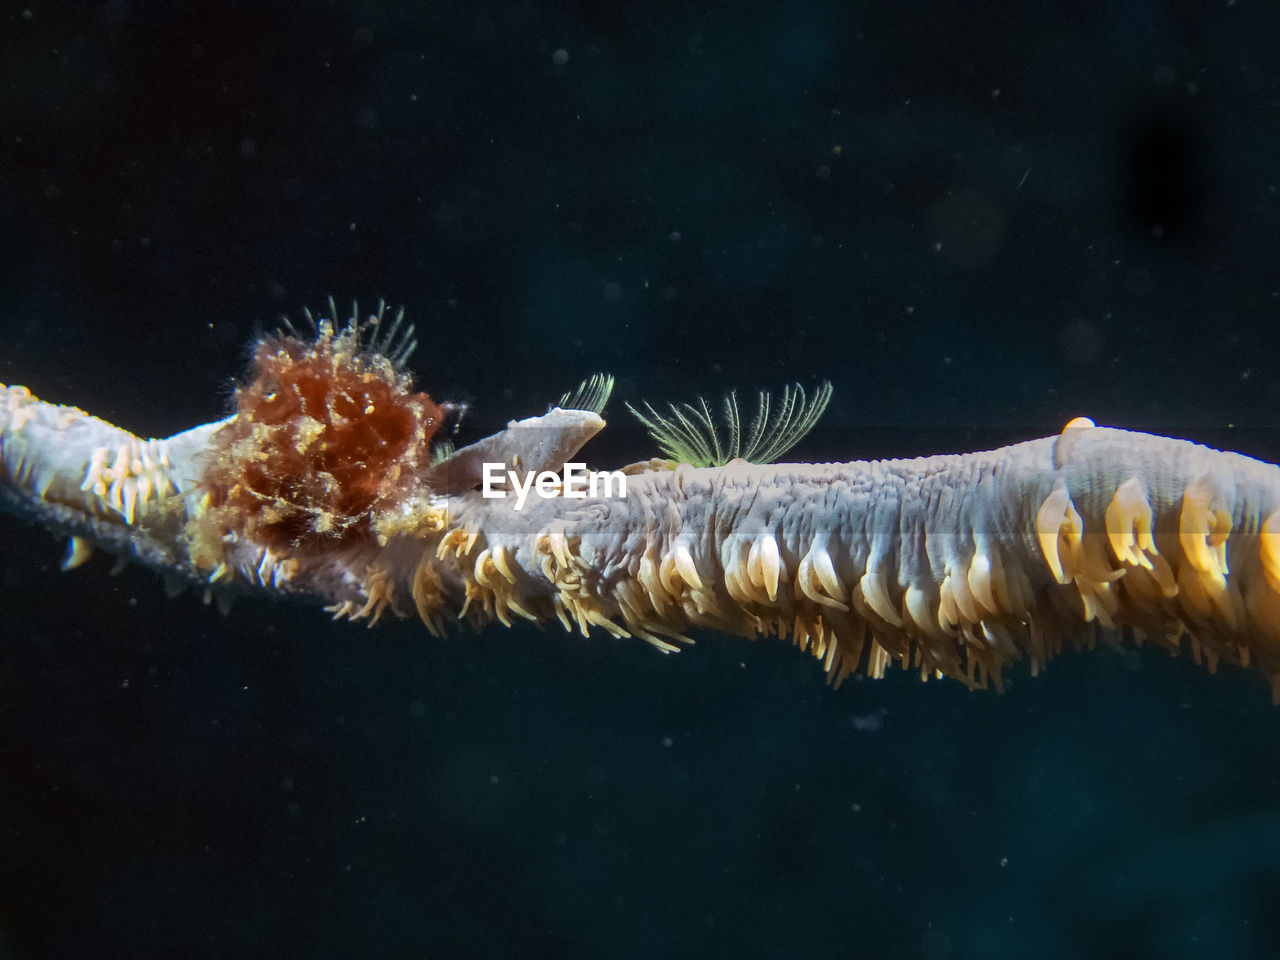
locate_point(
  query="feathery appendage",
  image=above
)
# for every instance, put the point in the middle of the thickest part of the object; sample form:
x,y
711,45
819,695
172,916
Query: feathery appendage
x,y
691,435
592,394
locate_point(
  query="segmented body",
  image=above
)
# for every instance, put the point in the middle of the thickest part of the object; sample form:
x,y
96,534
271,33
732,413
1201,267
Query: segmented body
x,y
955,565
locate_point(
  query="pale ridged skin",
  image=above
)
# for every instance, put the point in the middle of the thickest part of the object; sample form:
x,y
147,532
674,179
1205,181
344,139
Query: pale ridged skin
x,y
73,473
958,565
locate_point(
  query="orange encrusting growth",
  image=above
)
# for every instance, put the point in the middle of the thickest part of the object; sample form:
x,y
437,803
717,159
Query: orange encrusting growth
x,y
326,434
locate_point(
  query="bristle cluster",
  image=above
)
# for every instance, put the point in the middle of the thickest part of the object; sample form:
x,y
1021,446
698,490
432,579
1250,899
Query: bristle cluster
x,y
131,478
328,434
1164,582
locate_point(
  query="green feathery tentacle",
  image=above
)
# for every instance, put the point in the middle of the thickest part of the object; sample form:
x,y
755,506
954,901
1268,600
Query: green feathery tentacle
x,y
690,434
592,394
